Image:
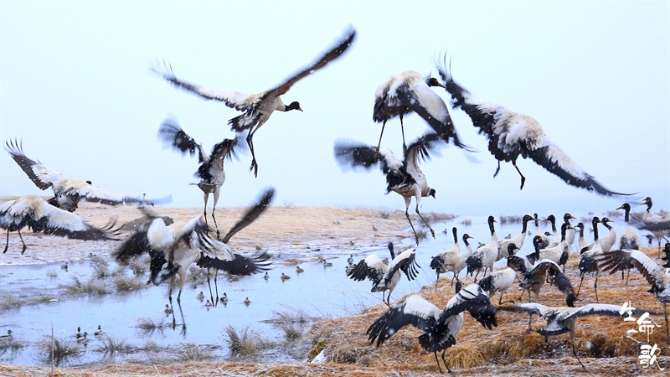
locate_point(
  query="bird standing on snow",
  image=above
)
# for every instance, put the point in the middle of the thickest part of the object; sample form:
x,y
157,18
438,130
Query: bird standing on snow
x,y
68,192
259,107
512,134
211,172
405,178
33,212
409,92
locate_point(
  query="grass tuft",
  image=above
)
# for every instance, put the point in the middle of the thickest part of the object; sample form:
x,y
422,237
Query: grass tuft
x,y
62,350
111,345
193,352
244,344
9,302
90,287
148,325
126,284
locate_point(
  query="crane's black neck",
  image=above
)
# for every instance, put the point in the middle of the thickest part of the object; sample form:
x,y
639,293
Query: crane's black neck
x,y
465,240
595,228
552,219
390,246
455,232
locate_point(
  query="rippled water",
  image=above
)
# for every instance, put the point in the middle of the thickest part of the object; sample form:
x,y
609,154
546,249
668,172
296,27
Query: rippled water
x,y
317,292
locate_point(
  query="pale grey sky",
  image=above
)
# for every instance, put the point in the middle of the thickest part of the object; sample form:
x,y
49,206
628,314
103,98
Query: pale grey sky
x,y
75,87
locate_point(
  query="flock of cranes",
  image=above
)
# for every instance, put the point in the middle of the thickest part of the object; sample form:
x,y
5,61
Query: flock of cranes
x,y
547,264
174,248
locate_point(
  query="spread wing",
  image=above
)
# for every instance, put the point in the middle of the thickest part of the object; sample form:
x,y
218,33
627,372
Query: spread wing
x,y
42,176
352,154
172,134
251,215
329,56
619,260
511,134
551,157
415,311
235,100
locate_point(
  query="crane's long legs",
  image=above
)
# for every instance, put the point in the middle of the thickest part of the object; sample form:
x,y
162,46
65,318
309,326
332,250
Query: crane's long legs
x,y
23,250
437,361
523,179
216,200
416,236
380,140
211,297
6,242
445,362
595,286
205,195
250,143
574,353
404,145
424,221
580,286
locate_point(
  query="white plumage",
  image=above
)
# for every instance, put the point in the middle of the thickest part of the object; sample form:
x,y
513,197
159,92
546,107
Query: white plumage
x,y
518,240
33,212
68,192
409,92
259,107
609,240
499,281
512,134
558,253
452,260
485,256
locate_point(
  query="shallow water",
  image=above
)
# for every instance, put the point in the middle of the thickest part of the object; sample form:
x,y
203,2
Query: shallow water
x,y
318,292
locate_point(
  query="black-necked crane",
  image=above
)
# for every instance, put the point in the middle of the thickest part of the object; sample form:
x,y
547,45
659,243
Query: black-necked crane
x,y
410,92
440,328
385,277
174,248
658,225
518,240
485,256
538,232
68,192
582,241
259,107
588,260
500,281
211,171
609,240
555,240
570,232
656,275
451,260
35,213
563,319
403,177
512,134
629,239
535,277
560,252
